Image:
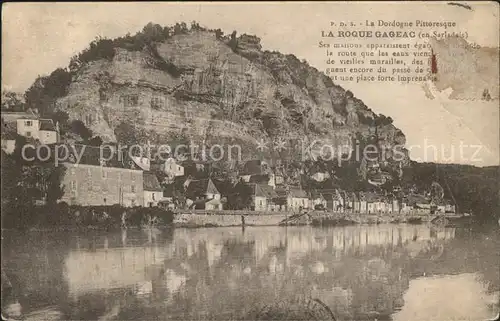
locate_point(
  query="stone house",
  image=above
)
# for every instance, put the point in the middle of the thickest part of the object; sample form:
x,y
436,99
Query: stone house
x,y
143,162
297,199
92,181
419,203
204,194
334,201
362,202
395,205
355,204
153,192
318,199
263,197
374,203
29,125
42,130
172,168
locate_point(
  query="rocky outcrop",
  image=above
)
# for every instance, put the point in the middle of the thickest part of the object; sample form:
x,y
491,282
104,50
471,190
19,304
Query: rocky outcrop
x,y
198,86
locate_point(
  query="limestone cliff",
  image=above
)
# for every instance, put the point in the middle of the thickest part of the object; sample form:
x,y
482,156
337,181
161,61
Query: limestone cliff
x,y
207,87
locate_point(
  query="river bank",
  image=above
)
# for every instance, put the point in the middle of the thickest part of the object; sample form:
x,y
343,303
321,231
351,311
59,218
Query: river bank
x,y
62,217
200,218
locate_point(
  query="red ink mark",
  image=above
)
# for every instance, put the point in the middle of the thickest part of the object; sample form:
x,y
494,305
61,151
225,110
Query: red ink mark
x,y
434,68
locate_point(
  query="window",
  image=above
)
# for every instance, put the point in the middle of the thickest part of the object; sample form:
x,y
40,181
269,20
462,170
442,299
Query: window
x,y
104,174
153,196
73,185
130,100
28,123
119,176
132,188
89,173
28,134
132,176
88,120
156,102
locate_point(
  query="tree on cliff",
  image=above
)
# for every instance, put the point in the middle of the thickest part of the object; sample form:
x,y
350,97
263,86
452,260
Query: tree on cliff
x,y
12,102
100,48
45,90
233,42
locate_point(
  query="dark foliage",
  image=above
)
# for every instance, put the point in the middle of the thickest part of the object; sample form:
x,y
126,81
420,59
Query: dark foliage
x,y
474,189
11,102
79,128
45,90
63,216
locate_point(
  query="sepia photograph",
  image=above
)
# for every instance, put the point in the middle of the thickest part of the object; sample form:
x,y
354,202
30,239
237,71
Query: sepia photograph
x,y
241,161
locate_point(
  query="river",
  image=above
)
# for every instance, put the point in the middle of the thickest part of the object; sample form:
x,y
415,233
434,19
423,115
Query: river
x,y
366,272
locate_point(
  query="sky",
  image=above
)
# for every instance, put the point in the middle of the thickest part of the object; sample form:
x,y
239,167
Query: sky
x,y
40,37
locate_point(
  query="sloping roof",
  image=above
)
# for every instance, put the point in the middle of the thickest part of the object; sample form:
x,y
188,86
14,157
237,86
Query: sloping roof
x,y
142,162
416,198
150,183
91,155
201,187
201,204
224,188
47,124
329,196
281,192
252,167
297,193
13,116
372,197
263,190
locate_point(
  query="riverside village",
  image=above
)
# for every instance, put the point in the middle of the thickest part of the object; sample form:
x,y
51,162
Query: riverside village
x,y
181,172
199,193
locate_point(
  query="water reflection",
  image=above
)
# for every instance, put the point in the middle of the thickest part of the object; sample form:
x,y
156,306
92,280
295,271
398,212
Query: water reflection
x,y
397,272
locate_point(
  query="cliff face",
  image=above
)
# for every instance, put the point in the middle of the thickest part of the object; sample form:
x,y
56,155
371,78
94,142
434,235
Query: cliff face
x,y
198,86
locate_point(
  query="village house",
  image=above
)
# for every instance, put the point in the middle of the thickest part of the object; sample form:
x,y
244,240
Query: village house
x,y
355,204
347,202
263,197
404,207
204,194
334,201
362,202
94,181
42,130
442,207
142,162
153,192
172,168
419,204
318,174
375,204
297,199
254,167
395,205
318,200
450,208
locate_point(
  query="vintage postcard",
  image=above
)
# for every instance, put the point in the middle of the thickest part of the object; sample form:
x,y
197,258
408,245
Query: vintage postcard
x,y
250,161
